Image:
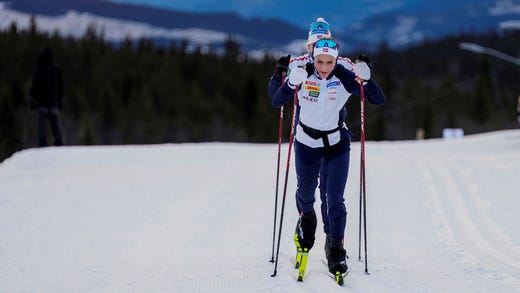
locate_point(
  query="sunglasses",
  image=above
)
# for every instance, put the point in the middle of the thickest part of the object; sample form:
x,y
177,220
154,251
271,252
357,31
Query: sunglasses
x,y
326,43
319,28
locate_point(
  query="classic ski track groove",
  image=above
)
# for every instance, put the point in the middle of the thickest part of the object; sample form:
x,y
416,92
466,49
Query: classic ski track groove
x,y
461,220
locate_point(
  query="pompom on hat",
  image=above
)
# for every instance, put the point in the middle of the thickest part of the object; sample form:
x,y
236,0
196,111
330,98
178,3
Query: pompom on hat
x,y
318,29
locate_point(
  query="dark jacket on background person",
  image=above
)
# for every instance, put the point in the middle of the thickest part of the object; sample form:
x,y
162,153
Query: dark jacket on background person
x,y
47,86
45,96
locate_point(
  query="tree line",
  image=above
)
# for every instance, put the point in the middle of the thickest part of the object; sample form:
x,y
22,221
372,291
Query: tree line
x,y
137,92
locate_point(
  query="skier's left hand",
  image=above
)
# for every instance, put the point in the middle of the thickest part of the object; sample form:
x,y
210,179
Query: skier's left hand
x,y
362,70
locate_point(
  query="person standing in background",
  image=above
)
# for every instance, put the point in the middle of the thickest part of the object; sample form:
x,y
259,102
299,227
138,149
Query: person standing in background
x,y
518,109
46,97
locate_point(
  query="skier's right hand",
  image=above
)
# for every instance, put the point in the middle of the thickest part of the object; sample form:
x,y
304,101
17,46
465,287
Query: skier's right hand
x,y
297,76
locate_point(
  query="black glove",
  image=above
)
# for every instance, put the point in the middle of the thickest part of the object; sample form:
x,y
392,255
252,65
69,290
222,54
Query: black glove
x,y
364,58
309,67
283,64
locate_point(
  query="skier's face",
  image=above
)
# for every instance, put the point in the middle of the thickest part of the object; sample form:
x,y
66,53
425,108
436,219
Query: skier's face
x,y
324,64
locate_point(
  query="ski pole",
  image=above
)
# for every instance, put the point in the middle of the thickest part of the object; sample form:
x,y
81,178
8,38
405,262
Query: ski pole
x,y
362,195
280,130
291,139
280,126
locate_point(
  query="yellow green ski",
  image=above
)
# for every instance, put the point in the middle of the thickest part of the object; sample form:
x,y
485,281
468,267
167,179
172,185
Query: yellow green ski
x,y
338,277
299,252
303,264
301,259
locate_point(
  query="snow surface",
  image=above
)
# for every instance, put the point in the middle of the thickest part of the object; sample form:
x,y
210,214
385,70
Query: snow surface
x,y
442,217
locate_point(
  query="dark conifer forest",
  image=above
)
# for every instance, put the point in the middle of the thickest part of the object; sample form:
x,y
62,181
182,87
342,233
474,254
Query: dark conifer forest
x,y
139,93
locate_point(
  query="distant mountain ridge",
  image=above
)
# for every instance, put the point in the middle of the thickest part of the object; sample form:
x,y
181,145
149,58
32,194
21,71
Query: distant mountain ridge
x,y
429,20
397,28
257,31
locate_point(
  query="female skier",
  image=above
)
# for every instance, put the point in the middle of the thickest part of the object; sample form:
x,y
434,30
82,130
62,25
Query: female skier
x,y
317,30
324,87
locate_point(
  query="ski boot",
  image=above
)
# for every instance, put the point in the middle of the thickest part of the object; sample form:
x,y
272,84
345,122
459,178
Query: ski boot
x,y
304,241
336,258
327,247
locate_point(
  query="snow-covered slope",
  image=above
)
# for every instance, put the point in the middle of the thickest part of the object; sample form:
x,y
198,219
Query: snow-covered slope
x,y
442,217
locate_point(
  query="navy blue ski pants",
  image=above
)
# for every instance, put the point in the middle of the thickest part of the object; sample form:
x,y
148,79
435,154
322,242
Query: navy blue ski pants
x,y
335,159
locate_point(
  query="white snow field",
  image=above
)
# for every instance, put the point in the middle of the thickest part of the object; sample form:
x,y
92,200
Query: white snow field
x,y
443,216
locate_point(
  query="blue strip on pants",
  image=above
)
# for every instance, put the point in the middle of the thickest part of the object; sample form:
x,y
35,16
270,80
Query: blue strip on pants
x,y
335,161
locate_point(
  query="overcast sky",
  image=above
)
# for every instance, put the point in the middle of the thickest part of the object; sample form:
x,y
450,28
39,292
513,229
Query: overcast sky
x,y
339,13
